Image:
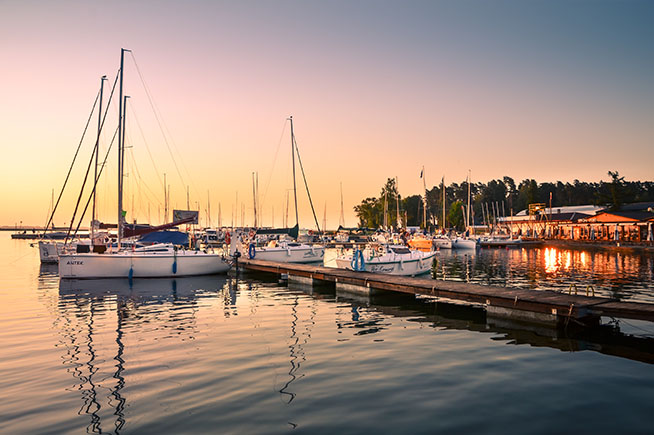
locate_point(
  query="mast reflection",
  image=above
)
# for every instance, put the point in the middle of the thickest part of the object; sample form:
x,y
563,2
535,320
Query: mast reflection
x,y
83,310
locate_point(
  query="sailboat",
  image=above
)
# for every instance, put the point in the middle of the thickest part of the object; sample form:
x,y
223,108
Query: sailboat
x,y
159,260
441,241
466,242
285,251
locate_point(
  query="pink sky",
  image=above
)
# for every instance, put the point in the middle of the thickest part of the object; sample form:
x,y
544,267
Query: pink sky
x,y
377,89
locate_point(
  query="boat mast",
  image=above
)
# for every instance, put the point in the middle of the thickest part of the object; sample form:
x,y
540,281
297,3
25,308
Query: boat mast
x,y
397,187
297,221
468,209
120,148
254,200
97,150
443,224
424,208
342,219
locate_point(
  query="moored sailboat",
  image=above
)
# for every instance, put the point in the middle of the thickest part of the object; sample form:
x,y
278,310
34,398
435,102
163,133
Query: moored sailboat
x,y
162,260
286,251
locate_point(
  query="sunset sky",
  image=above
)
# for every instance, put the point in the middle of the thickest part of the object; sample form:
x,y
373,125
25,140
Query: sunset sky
x,y
551,90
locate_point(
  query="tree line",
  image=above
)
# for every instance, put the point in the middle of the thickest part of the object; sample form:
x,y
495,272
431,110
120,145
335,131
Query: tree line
x,y
500,197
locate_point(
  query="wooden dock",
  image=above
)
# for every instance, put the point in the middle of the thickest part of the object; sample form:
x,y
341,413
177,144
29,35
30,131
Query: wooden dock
x,y
540,306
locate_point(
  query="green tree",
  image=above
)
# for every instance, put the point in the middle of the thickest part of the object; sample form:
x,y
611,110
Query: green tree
x,y
455,216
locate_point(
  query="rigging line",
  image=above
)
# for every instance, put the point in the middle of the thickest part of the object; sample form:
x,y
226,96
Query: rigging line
x,y
87,124
106,156
297,150
138,174
281,136
159,122
156,171
61,192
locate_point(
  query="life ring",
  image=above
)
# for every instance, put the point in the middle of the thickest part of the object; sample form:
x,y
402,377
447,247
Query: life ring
x,y
252,251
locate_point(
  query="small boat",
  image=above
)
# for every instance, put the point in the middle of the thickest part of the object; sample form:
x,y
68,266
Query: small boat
x,y
421,243
463,243
442,242
499,242
287,252
392,260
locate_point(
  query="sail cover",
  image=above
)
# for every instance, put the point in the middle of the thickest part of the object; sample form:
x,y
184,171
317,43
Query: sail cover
x,y
293,232
174,237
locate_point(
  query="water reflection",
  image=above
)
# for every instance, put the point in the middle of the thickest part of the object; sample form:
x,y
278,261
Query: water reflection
x,y
623,275
169,304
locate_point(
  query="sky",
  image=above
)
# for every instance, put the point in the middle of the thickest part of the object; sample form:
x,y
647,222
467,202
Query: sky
x,y
550,90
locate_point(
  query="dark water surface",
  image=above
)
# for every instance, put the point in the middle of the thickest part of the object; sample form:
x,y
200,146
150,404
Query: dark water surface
x,y
248,355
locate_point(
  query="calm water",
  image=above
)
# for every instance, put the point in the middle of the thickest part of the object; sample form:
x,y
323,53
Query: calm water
x,y
250,355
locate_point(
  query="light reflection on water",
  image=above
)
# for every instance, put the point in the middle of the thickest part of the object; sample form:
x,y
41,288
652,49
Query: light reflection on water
x,y
615,274
253,355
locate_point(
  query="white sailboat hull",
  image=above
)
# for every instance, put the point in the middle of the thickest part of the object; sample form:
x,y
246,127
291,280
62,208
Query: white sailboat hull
x,y
141,265
460,243
49,251
417,264
442,243
291,254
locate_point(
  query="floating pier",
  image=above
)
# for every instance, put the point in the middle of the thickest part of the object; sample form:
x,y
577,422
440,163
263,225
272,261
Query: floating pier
x,y
532,306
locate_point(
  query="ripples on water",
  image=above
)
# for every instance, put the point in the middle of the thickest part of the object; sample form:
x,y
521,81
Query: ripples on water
x,y
219,354
616,274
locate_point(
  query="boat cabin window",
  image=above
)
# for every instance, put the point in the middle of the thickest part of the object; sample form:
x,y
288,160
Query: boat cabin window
x,y
401,250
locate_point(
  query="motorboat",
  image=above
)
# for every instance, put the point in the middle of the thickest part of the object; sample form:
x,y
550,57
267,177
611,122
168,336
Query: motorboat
x,y
392,260
500,242
464,243
442,242
421,243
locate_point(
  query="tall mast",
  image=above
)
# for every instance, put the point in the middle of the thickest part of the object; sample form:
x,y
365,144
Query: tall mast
x,y
254,200
424,208
385,209
342,219
286,215
324,217
397,187
121,145
297,221
443,224
468,209
97,150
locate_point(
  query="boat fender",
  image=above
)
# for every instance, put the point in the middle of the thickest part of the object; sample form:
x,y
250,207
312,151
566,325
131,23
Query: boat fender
x,y
228,238
175,263
358,262
401,263
355,260
251,251
130,275
288,251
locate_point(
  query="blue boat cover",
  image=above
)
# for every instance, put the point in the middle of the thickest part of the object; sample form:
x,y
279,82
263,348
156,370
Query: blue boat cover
x,y
174,237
